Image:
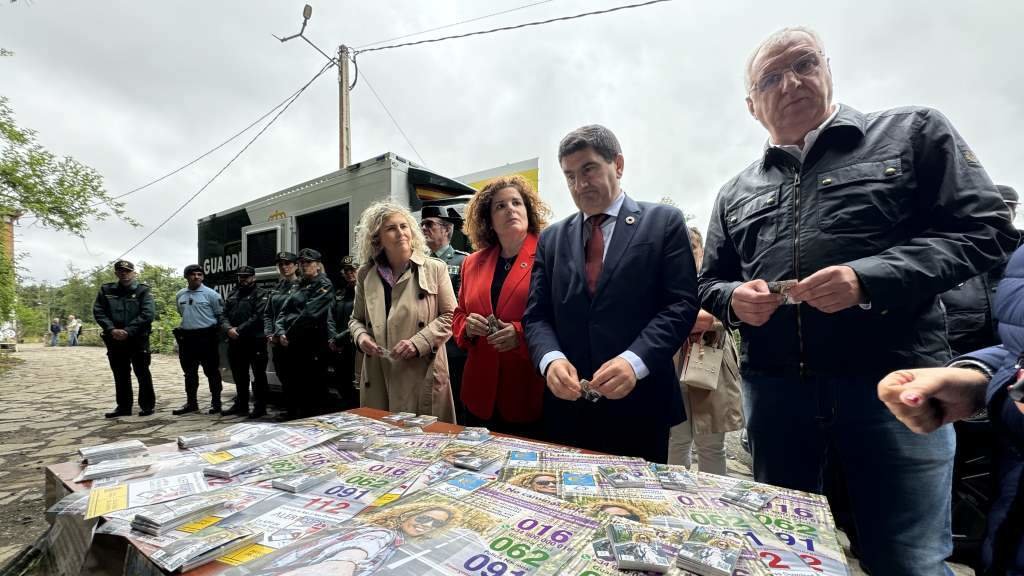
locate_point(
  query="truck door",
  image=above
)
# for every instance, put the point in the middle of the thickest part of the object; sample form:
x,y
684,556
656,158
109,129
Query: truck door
x,y
325,228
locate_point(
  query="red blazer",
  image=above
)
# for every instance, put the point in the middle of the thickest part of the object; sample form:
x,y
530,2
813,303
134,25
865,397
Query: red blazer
x,y
506,381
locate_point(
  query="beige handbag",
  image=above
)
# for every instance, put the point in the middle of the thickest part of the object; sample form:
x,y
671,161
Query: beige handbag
x,y
704,363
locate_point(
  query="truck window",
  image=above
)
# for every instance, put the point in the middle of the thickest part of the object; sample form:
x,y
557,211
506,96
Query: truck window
x,y
326,231
261,248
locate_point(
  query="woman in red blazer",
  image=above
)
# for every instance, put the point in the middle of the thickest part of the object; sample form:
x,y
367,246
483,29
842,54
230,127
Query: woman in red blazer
x,y
500,386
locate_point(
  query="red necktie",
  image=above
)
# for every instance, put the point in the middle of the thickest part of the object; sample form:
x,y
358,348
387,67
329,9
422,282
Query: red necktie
x,y
595,251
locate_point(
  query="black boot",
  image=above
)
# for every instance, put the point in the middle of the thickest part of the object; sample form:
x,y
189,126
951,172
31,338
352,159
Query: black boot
x,y
236,409
117,413
258,411
188,407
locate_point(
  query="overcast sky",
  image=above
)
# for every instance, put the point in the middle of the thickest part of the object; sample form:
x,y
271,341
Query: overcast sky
x,y
135,89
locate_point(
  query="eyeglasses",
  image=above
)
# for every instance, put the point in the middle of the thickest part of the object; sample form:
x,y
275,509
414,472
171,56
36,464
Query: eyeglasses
x,y
428,224
425,520
544,482
803,66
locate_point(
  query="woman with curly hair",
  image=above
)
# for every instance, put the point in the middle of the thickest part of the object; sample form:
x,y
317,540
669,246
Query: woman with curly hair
x,y
361,551
500,385
543,482
401,316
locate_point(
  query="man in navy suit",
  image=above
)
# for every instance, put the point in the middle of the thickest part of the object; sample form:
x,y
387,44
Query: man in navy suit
x,y
613,296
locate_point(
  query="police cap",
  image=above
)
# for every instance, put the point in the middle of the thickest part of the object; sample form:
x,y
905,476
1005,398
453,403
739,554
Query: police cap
x,y
124,265
348,263
286,257
245,271
309,254
1009,194
192,268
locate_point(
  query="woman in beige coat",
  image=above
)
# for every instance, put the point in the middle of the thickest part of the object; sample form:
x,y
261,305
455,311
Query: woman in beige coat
x,y
709,413
401,317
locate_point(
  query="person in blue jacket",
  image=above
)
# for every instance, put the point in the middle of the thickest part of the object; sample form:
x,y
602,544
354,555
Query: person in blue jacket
x,y
990,379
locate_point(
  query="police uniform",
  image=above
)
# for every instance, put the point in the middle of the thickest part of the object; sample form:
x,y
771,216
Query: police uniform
x,y
130,308
343,356
452,258
276,298
243,311
198,339
303,323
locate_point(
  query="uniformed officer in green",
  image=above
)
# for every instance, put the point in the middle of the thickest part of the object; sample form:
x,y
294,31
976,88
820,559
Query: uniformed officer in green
x,y
287,266
339,341
125,311
242,322
438,224
302,328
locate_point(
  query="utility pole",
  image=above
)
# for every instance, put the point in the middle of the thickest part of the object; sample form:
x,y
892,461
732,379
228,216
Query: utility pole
x,y
344,125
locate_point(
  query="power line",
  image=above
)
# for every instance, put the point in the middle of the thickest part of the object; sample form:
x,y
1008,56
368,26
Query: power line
x,y
208,152
402,132
454,24
515,27
233,158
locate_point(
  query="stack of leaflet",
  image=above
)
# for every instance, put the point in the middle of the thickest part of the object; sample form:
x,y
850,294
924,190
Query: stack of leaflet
x,y
235,466
303,481
749,495
352,441
412,431
639,547
193,440
383,452
477,458
422,420
398,418
112,451
474,434
159,519
709,553
203,547
108,468
675,479
621,476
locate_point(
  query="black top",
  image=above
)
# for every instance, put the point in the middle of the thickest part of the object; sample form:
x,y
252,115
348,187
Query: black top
x,y
501,270
387,295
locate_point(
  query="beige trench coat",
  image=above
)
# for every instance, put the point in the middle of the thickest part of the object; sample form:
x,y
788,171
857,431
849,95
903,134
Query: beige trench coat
x,y
719,410
422,303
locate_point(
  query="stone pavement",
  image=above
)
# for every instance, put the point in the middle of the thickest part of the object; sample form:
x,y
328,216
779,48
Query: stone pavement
x,y
53,404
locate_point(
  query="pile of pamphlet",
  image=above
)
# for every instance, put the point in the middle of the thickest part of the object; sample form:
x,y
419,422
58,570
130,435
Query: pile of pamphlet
x,y
118,467
749,495
159,519
302,481
639,547
709,553
203,547
235,466
112,451
193,440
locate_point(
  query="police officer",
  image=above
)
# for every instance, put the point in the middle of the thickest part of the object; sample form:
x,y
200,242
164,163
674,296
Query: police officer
x,y
125,311
247,344
287,265
438,227
343,351
198,339
302,328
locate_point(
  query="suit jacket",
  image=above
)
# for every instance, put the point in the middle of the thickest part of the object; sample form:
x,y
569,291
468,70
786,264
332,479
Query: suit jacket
x,y
422,302
503,381
645,302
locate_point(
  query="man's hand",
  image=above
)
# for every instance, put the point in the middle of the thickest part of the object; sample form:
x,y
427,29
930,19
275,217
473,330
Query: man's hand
x,y
368,345
562,380
753,304
705,321
119,334
331,345
830,289
614,379
506,338
926,398
476,325
282,340
405,350
233,333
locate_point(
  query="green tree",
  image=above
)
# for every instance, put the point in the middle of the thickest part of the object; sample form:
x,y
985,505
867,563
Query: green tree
x,y
60,193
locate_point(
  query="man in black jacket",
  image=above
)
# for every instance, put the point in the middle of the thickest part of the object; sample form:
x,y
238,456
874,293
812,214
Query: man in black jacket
x,y
343,351
125,311
247,345
302,328
829,253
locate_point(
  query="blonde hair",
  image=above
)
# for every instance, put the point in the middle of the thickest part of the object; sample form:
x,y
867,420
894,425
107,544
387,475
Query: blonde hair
x,y
368,231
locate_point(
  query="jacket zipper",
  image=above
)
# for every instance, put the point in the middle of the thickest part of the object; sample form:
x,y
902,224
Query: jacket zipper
x,y
796,264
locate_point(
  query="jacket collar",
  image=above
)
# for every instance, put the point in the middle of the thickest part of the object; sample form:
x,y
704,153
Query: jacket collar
x,y
848,123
